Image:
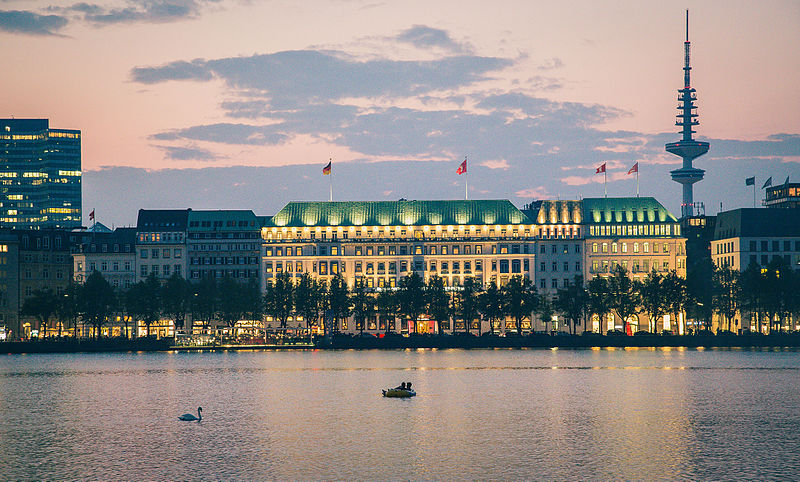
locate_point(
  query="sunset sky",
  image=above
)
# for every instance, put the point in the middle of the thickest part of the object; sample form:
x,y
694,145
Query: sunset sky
x,y
239,104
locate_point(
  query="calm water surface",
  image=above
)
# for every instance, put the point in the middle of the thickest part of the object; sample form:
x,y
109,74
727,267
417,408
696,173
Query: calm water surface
x,y
480,414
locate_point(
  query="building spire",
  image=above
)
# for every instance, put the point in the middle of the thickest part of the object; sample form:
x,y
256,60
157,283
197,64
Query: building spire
x,y
687,148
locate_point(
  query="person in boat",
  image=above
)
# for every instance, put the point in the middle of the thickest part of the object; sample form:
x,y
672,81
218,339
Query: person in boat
x,y
401,387
408,386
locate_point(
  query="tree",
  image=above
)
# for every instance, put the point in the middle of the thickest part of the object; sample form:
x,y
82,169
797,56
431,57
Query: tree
x,y
67,308
279,298
572,302
232,302
519,299
143,301
338,300
545,310
623,295
204,300
387,307
437,301
599,299
308,299
726,291
252,301
699,284
176,295
491,304
654,297
677,294
411,297
363,304
95,301
468,302
42,305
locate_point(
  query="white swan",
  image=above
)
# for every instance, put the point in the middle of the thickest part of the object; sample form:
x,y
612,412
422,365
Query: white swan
x,y
188,417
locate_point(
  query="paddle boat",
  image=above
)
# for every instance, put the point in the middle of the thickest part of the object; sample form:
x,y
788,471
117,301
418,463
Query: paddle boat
x,y
399,393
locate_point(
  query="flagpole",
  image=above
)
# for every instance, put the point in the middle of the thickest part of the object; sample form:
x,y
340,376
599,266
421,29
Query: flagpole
x,y
331,179
605,190
466,182
754,193
637,179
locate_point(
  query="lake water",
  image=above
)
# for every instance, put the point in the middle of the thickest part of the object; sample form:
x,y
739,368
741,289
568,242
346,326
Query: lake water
x,y
479,414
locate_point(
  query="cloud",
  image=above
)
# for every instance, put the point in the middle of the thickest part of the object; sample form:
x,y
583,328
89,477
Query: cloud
x,y
30,23
552,63
152,11
539,192
495,164
225,133
424,37
302,77
190,153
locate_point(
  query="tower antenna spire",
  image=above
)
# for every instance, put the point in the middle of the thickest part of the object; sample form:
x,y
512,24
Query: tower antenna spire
x,y
687,148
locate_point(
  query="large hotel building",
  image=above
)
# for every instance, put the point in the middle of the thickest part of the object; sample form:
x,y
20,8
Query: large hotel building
x,y
550,242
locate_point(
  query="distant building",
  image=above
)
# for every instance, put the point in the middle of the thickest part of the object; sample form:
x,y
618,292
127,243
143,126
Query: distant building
x,y
224,243
756,236
549,242
40,175
9,285
161,243
111,253
45,263
784,196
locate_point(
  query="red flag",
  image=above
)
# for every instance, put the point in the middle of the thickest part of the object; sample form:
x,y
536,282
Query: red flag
x,y
327,169
91,215
462,168
635,168
601,169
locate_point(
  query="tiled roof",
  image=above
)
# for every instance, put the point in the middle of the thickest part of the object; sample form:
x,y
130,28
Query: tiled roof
x,y
398,213
162,219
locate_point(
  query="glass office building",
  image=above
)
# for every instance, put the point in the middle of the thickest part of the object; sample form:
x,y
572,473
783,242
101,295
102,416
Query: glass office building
x,y
40,175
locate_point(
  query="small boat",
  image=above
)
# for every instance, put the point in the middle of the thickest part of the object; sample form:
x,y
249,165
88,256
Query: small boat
x,y
399,393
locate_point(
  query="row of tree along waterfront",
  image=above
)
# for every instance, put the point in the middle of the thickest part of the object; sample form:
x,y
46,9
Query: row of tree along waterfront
x,y
765,299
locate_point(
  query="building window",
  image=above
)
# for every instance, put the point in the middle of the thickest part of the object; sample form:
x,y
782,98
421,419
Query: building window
x,y
143,254
143,270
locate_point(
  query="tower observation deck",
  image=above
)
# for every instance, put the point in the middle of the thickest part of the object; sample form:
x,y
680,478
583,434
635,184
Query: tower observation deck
x,y
687,148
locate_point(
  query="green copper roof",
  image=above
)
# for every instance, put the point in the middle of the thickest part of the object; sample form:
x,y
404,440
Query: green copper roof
x,y
621,210
398,213
555,212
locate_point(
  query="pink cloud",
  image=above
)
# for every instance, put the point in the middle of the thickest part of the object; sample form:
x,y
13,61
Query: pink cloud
x,y
495,164
533,192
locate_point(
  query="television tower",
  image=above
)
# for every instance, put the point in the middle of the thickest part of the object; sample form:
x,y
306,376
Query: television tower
x,y
687,148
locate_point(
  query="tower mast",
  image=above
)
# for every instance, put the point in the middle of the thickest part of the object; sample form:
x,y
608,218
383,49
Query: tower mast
x,y
687,148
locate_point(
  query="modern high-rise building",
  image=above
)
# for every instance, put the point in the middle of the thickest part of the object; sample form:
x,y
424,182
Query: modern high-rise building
x,y
40,175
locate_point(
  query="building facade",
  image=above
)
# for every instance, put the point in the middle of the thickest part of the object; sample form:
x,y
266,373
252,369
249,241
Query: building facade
x,y
224,243
40,175
161,243
111,253
549,242
752,236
